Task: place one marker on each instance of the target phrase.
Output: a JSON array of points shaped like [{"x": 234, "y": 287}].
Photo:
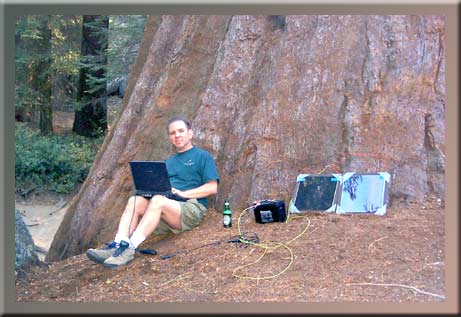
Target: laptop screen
[{"x": 150, "y": 176}]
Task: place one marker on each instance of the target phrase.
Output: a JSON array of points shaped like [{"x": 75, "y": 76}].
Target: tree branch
[{"x": 397, "y": 285}]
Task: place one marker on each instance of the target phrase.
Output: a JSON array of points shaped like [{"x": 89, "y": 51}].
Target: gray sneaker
[
  {"x": 122, "y": 256},
  {"x": 102, "y": 254}
]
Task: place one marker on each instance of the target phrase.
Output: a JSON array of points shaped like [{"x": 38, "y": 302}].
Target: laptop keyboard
[
  {"x": 170, "y": 195},
  {"x": 175, "y": 197}
]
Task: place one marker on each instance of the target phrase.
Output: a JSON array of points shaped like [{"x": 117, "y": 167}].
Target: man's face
[{"x": 180, "y": 136}]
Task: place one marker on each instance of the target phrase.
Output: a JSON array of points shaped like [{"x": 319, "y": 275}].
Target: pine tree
[
  {"x": 33, "y": 77},
  {"x": 91, "y": 117}
]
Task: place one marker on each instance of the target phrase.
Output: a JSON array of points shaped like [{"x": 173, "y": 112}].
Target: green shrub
[{"x": 54, "y": 162}]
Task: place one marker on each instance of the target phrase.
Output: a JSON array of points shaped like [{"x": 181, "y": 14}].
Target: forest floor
[
  {"x": 398, "y": 257},
  {"x": 320, "y": 257},
  {"x": 42, "y": 213}
]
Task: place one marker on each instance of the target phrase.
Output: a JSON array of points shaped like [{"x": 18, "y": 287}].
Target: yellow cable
[
  {"x": 266, "y": 247},
  {"x": 275, "y": 245}
]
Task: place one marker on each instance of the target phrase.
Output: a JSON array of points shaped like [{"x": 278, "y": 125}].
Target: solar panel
[{"x": 341, "y": 193}]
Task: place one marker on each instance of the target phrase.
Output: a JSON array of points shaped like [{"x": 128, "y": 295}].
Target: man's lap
[{"x": 192, "y": 213}]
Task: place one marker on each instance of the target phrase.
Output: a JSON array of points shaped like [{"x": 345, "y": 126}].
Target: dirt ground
[
  {"x": 42, "y": 215},
  {"x": 320, "y": 257}
]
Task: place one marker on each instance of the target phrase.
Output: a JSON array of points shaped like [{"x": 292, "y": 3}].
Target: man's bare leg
[
  {"x": 134, "y": 209},
  {"x": 159, "y": 208}
]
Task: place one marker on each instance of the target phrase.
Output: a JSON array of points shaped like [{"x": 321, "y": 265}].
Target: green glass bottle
[{"x": 227, "y": 213}]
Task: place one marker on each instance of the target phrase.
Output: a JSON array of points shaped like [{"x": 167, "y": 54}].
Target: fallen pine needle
[
  {"x": 398, "y": 285},
  {"x": 435, "y": 263},
  {"x": 178, "y": 278},
  {"x": 376, "y": 241}
]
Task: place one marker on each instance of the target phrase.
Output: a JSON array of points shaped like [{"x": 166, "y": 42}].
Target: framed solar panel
[
  {"x": 341, "y": 193},
  {"x": 314, "y": 192},
  {"x": 363, "y": 193}
]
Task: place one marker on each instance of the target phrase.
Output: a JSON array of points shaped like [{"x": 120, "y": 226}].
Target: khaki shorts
[{"x": 192, "y": 213}]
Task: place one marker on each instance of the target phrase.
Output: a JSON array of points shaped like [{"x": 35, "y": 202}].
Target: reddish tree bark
[{"x": 272, "y": 97}]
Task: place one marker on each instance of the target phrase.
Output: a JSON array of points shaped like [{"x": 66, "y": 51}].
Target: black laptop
[{"x": 151, "y": 178}]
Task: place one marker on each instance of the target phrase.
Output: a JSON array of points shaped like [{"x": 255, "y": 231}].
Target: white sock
[
  {"x": 136, "y": 239},
  {"x": 119, "y": 237}
]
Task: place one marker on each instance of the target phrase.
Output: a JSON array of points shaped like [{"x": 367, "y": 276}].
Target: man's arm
[{"x": 203, "y": 191}]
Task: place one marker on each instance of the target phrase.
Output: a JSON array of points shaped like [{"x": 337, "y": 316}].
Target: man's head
[{"x": 180, "y": 133}]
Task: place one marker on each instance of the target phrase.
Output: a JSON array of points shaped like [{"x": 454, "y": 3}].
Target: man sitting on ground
[{"x": 193, "y": 175}]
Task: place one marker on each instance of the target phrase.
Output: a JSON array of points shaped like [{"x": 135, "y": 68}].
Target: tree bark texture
[{"x": 273, "y": 97}]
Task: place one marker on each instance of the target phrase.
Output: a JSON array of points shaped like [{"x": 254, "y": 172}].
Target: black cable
[
  {"x": 245, "y": 237},
  {"x": 142, "y": 251},
  {"x": 148, "y": 251},
  {"x": 248, "y": 237},
  {"x": 167, "y": 256},
  {"x": 132, "y": 215}
]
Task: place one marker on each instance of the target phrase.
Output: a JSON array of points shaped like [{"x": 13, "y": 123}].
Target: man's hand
[
  {"x": 203, "y": 191},
  {"x": 178, "y": 192}
]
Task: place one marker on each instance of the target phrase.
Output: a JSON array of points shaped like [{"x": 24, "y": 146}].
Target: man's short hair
[{"x": 179, "y": 118}]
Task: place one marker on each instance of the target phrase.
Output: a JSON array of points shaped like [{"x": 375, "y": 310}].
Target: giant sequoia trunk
[{"x": 272, "y": 97}]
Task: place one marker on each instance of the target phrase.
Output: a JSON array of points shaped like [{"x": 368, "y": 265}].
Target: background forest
[
  {"x": 68, "y": 67},
  {"x": 270, "y": 97}
]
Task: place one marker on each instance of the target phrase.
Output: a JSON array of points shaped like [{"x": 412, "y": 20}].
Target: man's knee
[
  {"x": 161, "y": 204},
  {"x": 134, "y": 203},
  {"x": 131, "y": 200},
  {"x": 158, "y": 201}
]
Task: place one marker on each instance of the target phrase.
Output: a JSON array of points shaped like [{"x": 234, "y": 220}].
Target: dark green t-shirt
[{"x": 191, "y": 169}]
